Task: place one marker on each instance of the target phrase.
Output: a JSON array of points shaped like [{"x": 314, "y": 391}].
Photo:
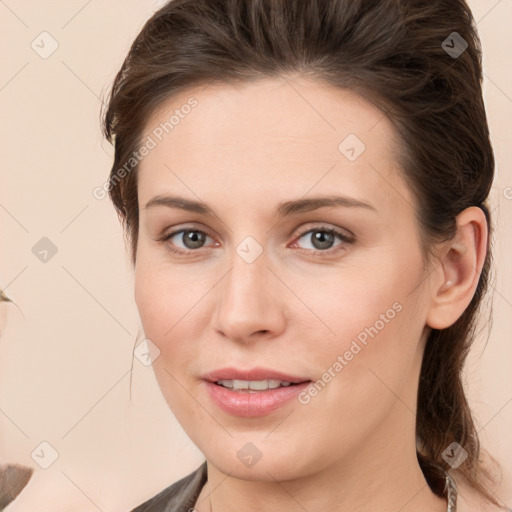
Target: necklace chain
[{"x": 451, "y": 493}]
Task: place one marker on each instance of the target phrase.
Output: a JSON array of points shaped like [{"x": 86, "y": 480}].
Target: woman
[{"x": 304, "y": 187}]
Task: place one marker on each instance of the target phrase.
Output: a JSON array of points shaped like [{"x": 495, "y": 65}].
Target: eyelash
[{"x": 326, "y": 229}]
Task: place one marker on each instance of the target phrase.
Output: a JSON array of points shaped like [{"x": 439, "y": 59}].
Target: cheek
[
  {"x": 165, "y": 305},
  {"x": 164, "y": 296},
  {"x": 174, "y": 310},
  {"x": 377, "y": 317},
  {"x": 368, "y": 301},
  {"x": 373, "y": 323}
]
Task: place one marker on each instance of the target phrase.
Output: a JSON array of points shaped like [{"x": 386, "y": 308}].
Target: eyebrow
[{"x": 283, "y": 209}]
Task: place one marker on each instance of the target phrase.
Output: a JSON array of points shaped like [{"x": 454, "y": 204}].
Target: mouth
[
  {"x": 254, "y": 392},
  {"x": 255, "y": 386},
  {"x": 256, "y": 379}
]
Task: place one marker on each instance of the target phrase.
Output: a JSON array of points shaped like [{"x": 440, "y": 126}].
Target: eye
[
  {"x": 190, "y": 238},
  {"x": 322, "y": 239}
]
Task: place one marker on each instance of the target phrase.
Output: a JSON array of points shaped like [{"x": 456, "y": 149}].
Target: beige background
[{"x": 65, "y": 355}]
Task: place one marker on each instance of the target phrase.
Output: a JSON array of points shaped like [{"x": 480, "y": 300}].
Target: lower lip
[{"x": 249, "y": 405}]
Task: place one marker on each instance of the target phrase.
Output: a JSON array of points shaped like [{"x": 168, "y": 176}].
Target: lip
[
  {"x": 249, "y": 405},
  {"x": 252, "y": 374}
]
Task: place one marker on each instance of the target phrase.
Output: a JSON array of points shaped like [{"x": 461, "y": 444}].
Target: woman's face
[{"x": 266, "y": 286}]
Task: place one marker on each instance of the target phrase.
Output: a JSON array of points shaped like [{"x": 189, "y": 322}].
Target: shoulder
[
  {"x": 179, "y": 496},
  {"x": 470, "y": 500}
]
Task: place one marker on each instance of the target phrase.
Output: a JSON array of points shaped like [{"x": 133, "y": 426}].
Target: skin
[{"x": 242, "y": 150}]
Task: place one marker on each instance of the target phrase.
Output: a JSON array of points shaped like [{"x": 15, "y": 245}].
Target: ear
[{"x": 459, "y": 265}]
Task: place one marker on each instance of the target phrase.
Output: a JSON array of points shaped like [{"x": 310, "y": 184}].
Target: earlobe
[{"x": 460, "y": 264}]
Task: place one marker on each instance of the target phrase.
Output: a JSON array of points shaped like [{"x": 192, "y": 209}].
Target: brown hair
[{"x": 399, "y": 54}]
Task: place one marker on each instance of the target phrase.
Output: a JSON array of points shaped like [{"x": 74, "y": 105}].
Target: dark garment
[{"x": 178, "y": 497}]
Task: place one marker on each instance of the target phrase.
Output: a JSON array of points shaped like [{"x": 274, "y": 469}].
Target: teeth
[
  {"x": 240, "y": 384},
  {"x": 256, "y": 385}
]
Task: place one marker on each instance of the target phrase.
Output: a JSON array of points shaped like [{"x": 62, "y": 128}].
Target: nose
[{"x": 249, "y": 301}]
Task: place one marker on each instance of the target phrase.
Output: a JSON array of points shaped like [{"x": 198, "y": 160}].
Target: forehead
[{"x": 284, "y": 134}]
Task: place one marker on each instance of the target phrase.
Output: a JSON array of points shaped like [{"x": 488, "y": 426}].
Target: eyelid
[{"x": 341, "y": 232}]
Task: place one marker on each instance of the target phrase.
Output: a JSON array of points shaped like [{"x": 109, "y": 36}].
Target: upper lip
[{"x": 251, "y": 374}]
